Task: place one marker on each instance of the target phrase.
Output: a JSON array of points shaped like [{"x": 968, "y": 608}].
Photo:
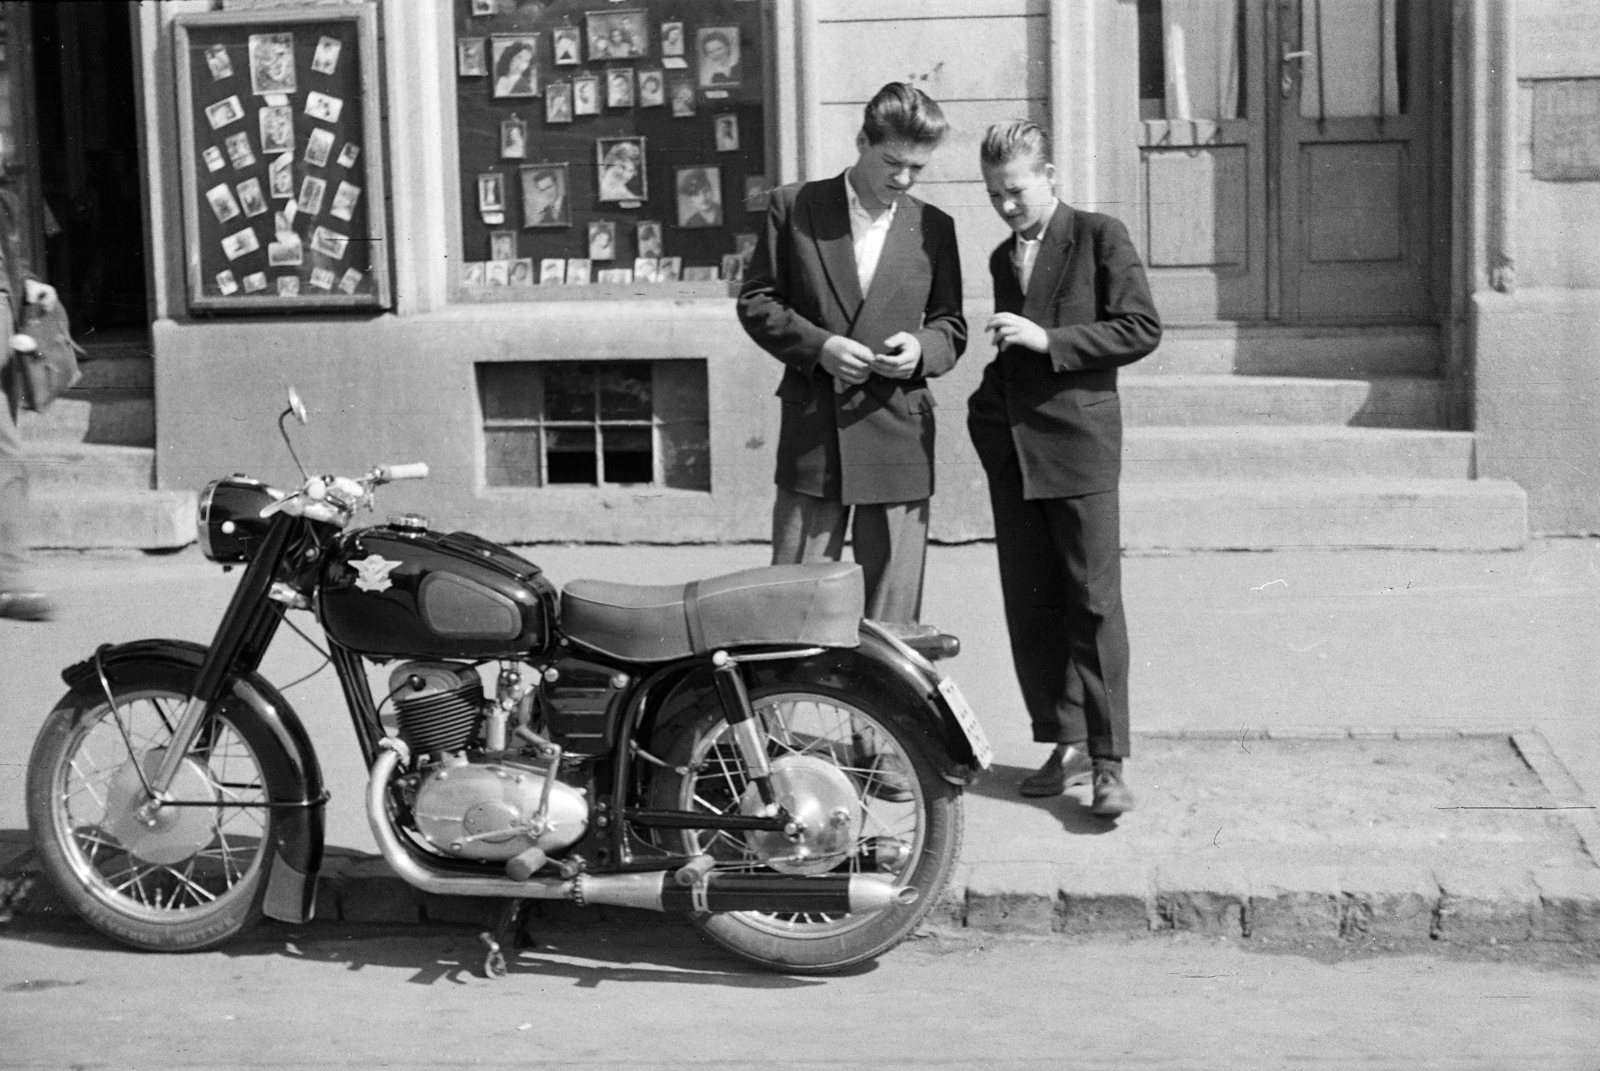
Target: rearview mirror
[{"x": 297, "y": 407}]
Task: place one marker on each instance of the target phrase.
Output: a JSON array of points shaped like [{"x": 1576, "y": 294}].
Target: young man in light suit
[
  {"x": 1071, "y": 306},
  {"x": 856, "y": 287}
]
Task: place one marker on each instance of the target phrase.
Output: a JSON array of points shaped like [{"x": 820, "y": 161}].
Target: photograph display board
[
  {"x": 282, "y": 170},
  {"x": 618, "y": 143}
]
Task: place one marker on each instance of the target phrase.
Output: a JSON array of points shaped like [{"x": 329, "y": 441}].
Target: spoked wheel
[
  {"x": 870, "y": 801},
  {"x": 181, "y": 878}
]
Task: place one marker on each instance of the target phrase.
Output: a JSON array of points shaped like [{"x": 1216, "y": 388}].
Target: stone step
[
  {"x": 111, "y": 417},
  {"x": 1333, "y": 352},
  {"x": 1299, "y": 514},
  {"x": 1192, "y": 400},
  {"x": 81, "y": 466},
  {"x": 89, "y": 518},
  {"x": 1268, "y": 451}
]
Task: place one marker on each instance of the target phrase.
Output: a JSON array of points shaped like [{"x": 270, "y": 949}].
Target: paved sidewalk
[{"x": 1357, "y": 745}]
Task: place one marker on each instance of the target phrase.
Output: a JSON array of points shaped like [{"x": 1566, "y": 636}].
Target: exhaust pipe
[{"x": 651, "y": 891}]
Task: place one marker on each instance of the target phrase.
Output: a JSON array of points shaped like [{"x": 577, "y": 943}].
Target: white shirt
[
  {"x": 867, "y": 235},
  {"x": 1026, "y": 252}
]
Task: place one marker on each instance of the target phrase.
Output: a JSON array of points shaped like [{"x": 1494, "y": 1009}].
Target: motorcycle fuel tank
[{"x": 402, "y": 590}]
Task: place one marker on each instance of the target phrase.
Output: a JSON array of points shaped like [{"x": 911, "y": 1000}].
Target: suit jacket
[
  {"x": 873, "y": 442},
  {"x": 1059, "y": 410}
]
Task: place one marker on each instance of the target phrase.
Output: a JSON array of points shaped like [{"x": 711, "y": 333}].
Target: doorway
[{"x": 1293, "y": 159}]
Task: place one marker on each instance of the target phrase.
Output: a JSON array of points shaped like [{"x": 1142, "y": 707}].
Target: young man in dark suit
[
  {"x": 856, "y": 286},
  {"x": 1071, "y": 306}
]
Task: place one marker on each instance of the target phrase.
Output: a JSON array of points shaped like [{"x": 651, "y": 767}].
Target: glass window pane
[
  {"x": 569, "y": 455},
  {"x": 510, "y": 391},
  {"x": 511, "y": 457},
  {"x": 625, "y": 391},
  {"x": 629, "y": 455},
  {"x": 1200, "y": 58},
  {"x": 1357, "y": 41},
  {"x": 569, "y": 391}
]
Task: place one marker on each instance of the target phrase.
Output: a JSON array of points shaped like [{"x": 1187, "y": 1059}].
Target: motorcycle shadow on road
[{"x": 999, "y": 782}]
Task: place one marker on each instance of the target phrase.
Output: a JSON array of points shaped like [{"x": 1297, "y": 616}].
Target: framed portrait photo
[
  {"x": 277, "y": 129},
  {"x": 502, "y": 245},
  {"x": 602, "y": 240},
  {"x": 552, "y": 271},
  {"x": 544, "y": 196},
  {"x": 623, "y": 34},
  {"x": 619, "y": 87},
  {"x": 568, "y": 45},
  {"x": 586, "y": 94},
  {"x": 717, "y": 56},
  {"x": 491, "y": 192},
  {"x": 472, "y": 57},
  {"x": 522, "y": 272},
  {"x": 648, "y": 234},
  {"x": 578, "y": 271},
  {"x": 558, "y": 102},
  {"x": 699, "y": 195},
  {"x": 271, "y": 63},
  {"x": 513, "y": 139},
  {"x": 220, "y": 66},
  {"x": 515, "y": 58},
  {"x": 681, "y": 93},
  {"x": 652, "y": 88},
  {"x": 672, "y": 38},
  {"x": 622, "y": 169},
  {"x": 726, "y": 129}
]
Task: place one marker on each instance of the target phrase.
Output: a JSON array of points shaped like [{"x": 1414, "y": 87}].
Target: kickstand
[{"x": 507, "y": 933}]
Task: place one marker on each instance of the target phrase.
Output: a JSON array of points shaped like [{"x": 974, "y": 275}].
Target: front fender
[{"x": 294, "y": 778}]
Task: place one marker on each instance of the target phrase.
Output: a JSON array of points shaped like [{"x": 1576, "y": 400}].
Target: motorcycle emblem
[{"x": 372, "y": 573}]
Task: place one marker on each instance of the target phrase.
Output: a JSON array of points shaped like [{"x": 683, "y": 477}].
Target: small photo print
[
  {"x": 619, "y": 87},
  {"x": 271, "y": 63},
  {"x": 586, "y": 94},
  {"x": 239, "y": 243},
  {"x": 699, "y": 196},
  {"x": 329, "y": 243},
  {"x": 350, "y": 280},
  {"x": 497, "y": 272},
  {"x": 322, "y": 107},
  {"x": 502, "y": 245},
  {"x": 491, "y": 192},
  {"x": 516, "y": 65},
  {"x": 277, "y": 129},
  {"x": 649, "y": 237},
  {"x": 280, "y": 177},
  {"x": 669, "y": 269},
  {"x": 472, "y": 57},
  {"x": 696, "y": 273},
  {"x": 255, "y": 282},
  {"x": 644, "y": 269},
  {"x": 239, "y": 150},
  {"x": 652, "y": 88},
  {"x": 472, "y": 273},
  {"x": 618, "y": 34},
  {"x": 522, "y": 272},
  {"x": 344, "y": 201},
  {"x": 224, "y": 112},
  {"x": 318, "y": 146},
  {"x": 221, "y": 66},
  {"x": 226, "y": 282},
  {"x": 681, "y": 92},
  {"x": 484, "y": 7},
  {"x": 732, "y": 268},
  {"x": 213, "y": 158},
  {"x": 286, "y": 251},
  {"x": 726, "y": 128},
  {"x": 312, "y": 190},
  {"x": 622, "y": 169},
  {"x": 222, "y": 202},
  {"x": 513, "y": 139},
  {"x": 348, "y": 154},
  {"x": 621, "y": 276},
  {"x": 552, "y": 271},
  {"x": 321, "y": 279},
  {"x": 577, "y": 271},
  {"x": 717, "y": 50},
  {"x": 745, "y": 246},
  {"x": 602, "y": 240},
  {"x": 288, "y": 286},
  {"x": 251, "y": 198},
  {"x": 672, "y": 38},
  {"x": 544, "y": 196},
  {"x": 558, "y": 102},
  {"x": 755, "y": 193},
  {"x": 567, "y": 46},
  {"x": 326, "y": 58}
]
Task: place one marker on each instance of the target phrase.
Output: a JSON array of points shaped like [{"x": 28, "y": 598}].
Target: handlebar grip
[{"x": 414, "y": 470}]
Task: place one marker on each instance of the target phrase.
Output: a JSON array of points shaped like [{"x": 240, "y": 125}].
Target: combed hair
[
  {"x": 903, "y": 113},
  {"x": 1006, "y": 141}
]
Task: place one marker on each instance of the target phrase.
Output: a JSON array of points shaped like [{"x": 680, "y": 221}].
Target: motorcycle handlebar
[{"x": 413, "y": 470}]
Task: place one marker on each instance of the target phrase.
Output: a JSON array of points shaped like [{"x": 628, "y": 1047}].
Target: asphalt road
[{"x": 652, "y": 995}]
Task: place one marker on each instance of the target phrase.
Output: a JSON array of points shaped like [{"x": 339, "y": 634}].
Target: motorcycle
[{"x": 744, "y": 748}]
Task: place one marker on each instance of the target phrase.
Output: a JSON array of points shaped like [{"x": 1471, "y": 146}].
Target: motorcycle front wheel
[
  {"x": 845, "y": 754},
  {"x": 182, "y": 878}
]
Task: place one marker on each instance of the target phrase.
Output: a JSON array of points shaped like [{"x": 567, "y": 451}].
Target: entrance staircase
[
  {"x": 91, "y": 461},
  {"x": 1275, "y": 438}
]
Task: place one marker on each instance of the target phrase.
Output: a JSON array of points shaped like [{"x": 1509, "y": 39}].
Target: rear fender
[{"x": 294, "y": 779}]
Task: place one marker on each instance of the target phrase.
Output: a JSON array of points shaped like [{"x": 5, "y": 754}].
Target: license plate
[{"x": 968, "y": 722}]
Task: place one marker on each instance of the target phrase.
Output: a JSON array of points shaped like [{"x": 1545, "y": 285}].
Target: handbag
[{"x": 42, "y": 372}]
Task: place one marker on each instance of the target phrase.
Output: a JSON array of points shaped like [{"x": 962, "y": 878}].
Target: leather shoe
[
  {"x": 1111, "y": 796},
  {"x": 26, "y": 606},
  {"x": 1062, "y": 768}
]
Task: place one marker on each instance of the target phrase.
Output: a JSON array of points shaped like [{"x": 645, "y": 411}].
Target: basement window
[{"x": 596, "y": 424}]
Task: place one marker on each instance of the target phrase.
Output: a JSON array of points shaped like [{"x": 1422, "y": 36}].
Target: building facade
[{"x": 1370, "y": 226}]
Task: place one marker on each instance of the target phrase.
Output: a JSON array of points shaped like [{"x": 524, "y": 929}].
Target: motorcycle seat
[{"x": 816, "y": 605}]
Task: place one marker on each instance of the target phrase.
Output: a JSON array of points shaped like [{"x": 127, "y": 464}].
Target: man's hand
[
  {"x": 1009, "y": 329},
  {"x": 847, "y": 361},
  {"x": 901, "y": 360},
  {"x": 40, "y": 294}
]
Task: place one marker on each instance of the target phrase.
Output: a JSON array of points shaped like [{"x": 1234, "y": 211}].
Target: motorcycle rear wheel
[
  {"x": 923, "y": 833},
  {"x": 194, "y": 878}
]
